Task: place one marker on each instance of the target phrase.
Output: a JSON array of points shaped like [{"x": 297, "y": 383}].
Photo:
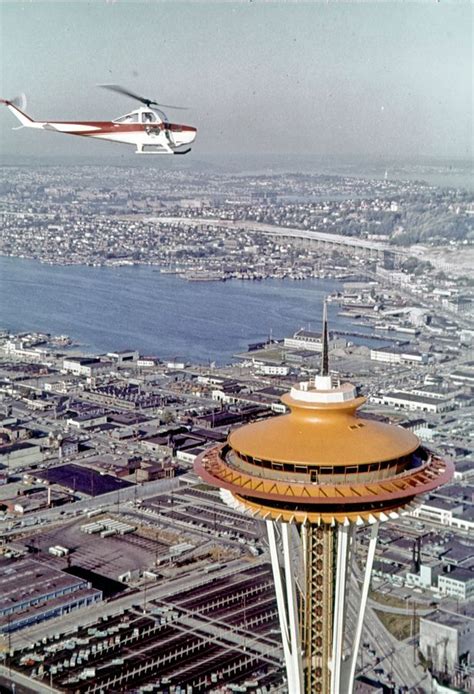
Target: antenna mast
[{"x": 325, "y": 341}]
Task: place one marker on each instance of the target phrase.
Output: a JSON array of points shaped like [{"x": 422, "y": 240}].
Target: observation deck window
[{"x": 406, "y": 462}]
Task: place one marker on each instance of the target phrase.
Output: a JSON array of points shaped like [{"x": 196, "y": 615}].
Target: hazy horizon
[{"x": 372, "y": 80}]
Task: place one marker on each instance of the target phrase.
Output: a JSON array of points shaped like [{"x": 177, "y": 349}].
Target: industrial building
[
  {"x": 398, "y": 355},
  {"x": 447, "y": 643},
  {"x": 458, "y": 583},
  {"x": 310, "y": 340},
  {"x": 86, "y": 366},
  {"x": 413, "y": 402},
  {"x": 32, "y": 591}
]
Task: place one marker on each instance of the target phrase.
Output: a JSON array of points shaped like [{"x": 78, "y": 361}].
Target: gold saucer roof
[{"x": 323, "y": 434}]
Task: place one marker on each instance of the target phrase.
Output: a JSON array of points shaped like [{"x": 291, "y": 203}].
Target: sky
[{"x": 322, "y": 78}]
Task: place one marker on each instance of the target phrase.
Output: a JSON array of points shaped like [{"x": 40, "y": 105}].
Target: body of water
[{"x": 138, "y": 307}]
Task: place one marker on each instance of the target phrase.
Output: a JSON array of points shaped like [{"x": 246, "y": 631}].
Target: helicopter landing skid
[{"x": 153, "y": 149}]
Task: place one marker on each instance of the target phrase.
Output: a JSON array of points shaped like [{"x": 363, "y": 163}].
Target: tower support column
[
  {"x": 318, "y": 619},
  {"x": 352, "y": 663},
  {"x": 287, "y": 606},
  {"x": 340, "y": 600}
]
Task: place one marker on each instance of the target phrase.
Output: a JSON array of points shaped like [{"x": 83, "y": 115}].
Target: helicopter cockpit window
[
  {"x": 129, "y": 118},
  {"x": 149, "y": 117}
]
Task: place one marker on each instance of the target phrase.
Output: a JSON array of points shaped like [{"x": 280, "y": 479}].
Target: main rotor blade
[
  {"x": 148, "y": 102},
  {"x": 178, "y": 108},
  {"x": 126, "y": 92}
]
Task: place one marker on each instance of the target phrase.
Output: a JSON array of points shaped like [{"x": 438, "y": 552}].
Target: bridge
[{"x": 368, "y": 247}]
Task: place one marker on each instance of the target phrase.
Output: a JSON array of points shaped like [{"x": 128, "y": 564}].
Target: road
[
  {"x": 395, "y": 657},
  {"x": 391, "y": 609}
]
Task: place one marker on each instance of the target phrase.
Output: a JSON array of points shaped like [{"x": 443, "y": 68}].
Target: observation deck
[{"x": 322, "y": 462}]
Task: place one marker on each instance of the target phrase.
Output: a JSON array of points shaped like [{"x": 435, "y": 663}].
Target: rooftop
[
  {"x": 459, "y": 574},
  {"x": 448, "y": 619},
  {"x": 26, "y": 580},
  {"x": 411, "y": 397}
]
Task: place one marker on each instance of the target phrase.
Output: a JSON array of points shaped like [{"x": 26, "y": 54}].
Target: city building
[
  {"x": 19, "y": 454},
  {"x": 310, "y": 340},
  {"x": 274, "y": 370},
  {"x": 365, "y": 685},
  {"x": 315, "y": 475},
  {"x": 124, "y": 357},
  {"x": 86, "y": 366},
  {"x": 32, "y": 591},
  {"x": 412, "y": 402},
  {"x": 447, "y": 641},
  {"x": 398, "y": 355},
  {"x": 448, "y": 513},
  {"x": 458, "y": 583},
  {"x": 427, "y": 576}
]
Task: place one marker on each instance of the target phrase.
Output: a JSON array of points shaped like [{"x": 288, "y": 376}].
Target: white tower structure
[{"x": 315, "y": 475}]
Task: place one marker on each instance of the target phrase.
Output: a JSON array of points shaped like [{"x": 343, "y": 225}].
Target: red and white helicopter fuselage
[{"x": 146, "y": 128}]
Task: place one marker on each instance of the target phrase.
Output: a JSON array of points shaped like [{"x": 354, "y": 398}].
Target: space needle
[{"x": 315, "y": 475}]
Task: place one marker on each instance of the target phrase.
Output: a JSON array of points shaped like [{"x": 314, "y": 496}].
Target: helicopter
[{"x": 148, "y": 127}]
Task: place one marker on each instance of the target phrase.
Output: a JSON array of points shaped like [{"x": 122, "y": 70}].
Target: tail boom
[{"x": 24, "y": 119}]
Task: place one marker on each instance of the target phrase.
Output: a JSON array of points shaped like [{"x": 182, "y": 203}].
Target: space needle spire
[{"x": 325, "y": 341}]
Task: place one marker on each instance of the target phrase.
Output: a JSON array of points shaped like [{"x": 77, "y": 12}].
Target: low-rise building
[
  {"x": 33, "y": 591},
  {"x": 86, "y": 421},
  {"x": 123, "y": 357},
  {"x": 69, "y": 446},
  {"x": 463, "y": 376},
  {"x": 409, "y": 401},
  {"x": 398, "y": 355},
  {"x": 438, "y": 510},
  {"x": 427, "y": 577},
  {"x": 147, "y": 362},
  {"x": 149, "y": 471},
  {"x": 309, "y": 340},
  {"x": 86, "y": 366},
  {"x": 21, "y": 454},
  {"x": 447, "y": 641},
  {"x": 446, "y": 512},
  {"x": 458, "y": 584},
  {"x": 274, "y": 370},
  {"x": 366, "y": 685}
]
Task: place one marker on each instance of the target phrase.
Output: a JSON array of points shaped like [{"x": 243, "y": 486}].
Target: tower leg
[
  {"x": 363, "y": 604},
  {"x": 340, "y": 596},
  {"x": 287, "y": 608},
  {"x": 292, "y": 602}
]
